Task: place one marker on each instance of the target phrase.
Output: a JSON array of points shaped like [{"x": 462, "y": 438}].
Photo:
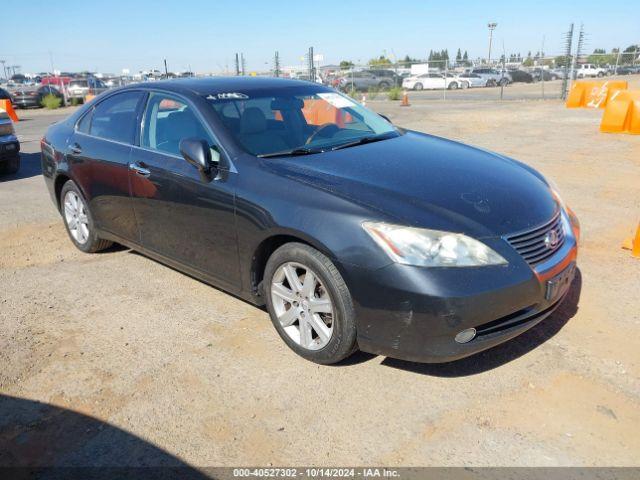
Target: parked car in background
[
  {"x": 492, "y": 77},
  {"x": 26, "y": 97},
  {"x": 425, "y": 81},
  {"x": 589, "y": 70},
  {"x": 521, "y": 76},
  {"x": 9, "y": 146},
  {"x": 539, "y": 73},
  {"x": 394, "y": 78},
  {"x": 626, "y": 70},
  {"x": 472, "y": 80},
  {"x": 79, "y": 88},
  {"x": 363, "y": 79}
]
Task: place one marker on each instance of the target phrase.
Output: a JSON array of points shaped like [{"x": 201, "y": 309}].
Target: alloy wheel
[
  {"x": 75, "y": 215},
  {"x": 302, "y": 305}
]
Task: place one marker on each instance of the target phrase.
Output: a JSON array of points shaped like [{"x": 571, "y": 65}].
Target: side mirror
[{"x": 197, "y": 152}]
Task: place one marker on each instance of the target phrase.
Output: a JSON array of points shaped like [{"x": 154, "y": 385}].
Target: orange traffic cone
[
  {"x": 8, "y": 107},
  {"x": 633, "y": 244},
  {"x": 405, "y": 99}
]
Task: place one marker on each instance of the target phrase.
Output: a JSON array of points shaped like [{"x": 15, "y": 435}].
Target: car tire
[
  {"x": 295, "y": 260},
  {"x": 12, "y": 165},
  {"x": 491, "y": 83},
  {"x": 73, "y": 206},
  {"x": 464, "y": 85},
  {"x": 600, "y": 74},
  {"x": 383, "y": 85},
  {"x": 452, "y": 86},
  {"x": 418, "y": 86},
  {"x": 504, "y": 82}
]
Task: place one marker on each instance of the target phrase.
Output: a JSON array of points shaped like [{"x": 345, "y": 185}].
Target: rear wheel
[
  {"x": 309, "y": 304},
  {"x": 453, "y": 86},
  {"x": 491, "y": 83},
  {"x": 418, "y": 86},
  {"x": 383, "y": 85},
  {"x": 78, "y": 220},
  {"x": 464, "y": 85}
]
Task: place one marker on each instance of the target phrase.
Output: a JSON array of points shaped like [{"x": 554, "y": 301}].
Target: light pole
[
  {"x": 4, "y": 69},
  {"x": 492, "y": 26}
]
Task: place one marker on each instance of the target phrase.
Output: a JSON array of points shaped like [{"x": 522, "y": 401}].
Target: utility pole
[
  {"x": 166, "y": 71},
  {"x": 492, "y": 26},
  {"x": 542, "y": 67},
  {"x": 312, "y": 76},
  {"x": 243, "y": 64},
  {"x": 237, "y": 66},
  {"x": 4, "y": 69},
  {"x": 276, "y": 65},
  {"x": 615, "y": 71},
  {"x": 568, "y": 38},
  {"x": 51, "y": 62}
]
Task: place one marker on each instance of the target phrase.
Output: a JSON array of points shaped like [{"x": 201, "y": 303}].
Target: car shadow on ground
[
  {"x": 35, "y": 435},
  {"x": 30, "y": 166},
  {"x": 506, "y": 352}
]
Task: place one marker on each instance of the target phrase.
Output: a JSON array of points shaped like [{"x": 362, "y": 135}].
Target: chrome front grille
[{"x": 539, "y": 243}]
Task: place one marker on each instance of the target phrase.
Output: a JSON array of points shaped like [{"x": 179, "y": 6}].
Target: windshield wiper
[
  {"x": 291, "y": 153},
  {"x": 369, "y": 139}
]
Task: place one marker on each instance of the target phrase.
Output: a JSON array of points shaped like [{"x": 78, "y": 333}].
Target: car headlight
[{"x": 422, "y": 247}]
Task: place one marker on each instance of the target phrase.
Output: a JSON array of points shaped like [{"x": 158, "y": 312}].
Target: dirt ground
[{"x": 113, "y": 358}]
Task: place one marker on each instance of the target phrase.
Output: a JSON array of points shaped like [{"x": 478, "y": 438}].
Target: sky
[{"x": 201, "y": 35}]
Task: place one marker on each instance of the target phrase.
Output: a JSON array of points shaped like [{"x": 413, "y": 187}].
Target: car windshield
[
  {"x": 78, "y": 83},
  {"x": 297, "y": 120}
]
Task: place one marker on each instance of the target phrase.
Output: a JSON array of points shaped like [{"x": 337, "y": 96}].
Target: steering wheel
[{"x": 324, "y": 127}]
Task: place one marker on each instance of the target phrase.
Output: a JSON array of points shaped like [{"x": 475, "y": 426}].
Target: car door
[
  {"x": 98, "y": 156},
  {"x": 181, "y": 215}
]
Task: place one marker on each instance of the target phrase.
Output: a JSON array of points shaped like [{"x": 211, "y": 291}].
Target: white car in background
[
  {"x": 471, "y": 80},
  {"x": 589, "y": 70},
  {"x": 431, "y": 81}
]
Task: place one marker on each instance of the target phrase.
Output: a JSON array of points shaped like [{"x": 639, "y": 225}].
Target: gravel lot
[{"x": 114, "y": 359}]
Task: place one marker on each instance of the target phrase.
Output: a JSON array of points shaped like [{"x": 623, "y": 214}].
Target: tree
[
  {"x": 458, "y": 56},
  {"x": 344, "y": 64},
  {"x": 381, "y": 60}
]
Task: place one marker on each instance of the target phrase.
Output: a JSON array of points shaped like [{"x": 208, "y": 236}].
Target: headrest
[
  {"x": 287, "y": 104},
  {"x": 253, "y": 121}
]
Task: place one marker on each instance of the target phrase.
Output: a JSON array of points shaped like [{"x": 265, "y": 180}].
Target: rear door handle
[
  {"x": 75, "y": 149},
  {"x": 140, "y": 170}
]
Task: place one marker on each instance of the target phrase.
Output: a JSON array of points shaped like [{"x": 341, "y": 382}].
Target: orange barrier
[
  {"x": 7, "y": 107},
  {"x": 622, "y": 113},
  {"x": 633, "y": 244},
  {"x": 319, "y": 112},
  {"x": 593, "y": 94}
]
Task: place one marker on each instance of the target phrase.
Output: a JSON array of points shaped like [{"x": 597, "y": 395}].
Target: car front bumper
[
  {"x": 414, "y": 313},
  {"x": 25, "y": 102},
  {"x": 9, "y": 147}
]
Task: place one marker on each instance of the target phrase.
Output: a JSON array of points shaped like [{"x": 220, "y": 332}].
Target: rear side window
[
  {"x": 85, "y": 122},
  {"x": 115, "y": 117}
]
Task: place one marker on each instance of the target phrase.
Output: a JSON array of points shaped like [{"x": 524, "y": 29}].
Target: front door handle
[
  {"x": 140, "y": 170},
  {"x": 76, "y": 149}
]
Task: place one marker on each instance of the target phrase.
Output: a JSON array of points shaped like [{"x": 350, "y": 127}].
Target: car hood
[{"x": 422, "y": 180}]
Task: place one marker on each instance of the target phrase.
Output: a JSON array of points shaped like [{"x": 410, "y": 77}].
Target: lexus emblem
[{"x": 551, "y": 239}]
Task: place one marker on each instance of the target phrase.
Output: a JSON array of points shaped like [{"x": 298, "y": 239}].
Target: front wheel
[
  {"x": 491, "y": 83},
  {"x": 309, "y": 304},
  {"x": 418, "y": 86},
  {"x": 78, "y": 220},
  {"x": 453, "y": 86},
  {"x": 464, "y": 85}
]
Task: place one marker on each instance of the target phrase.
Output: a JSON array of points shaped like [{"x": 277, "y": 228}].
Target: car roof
[{"x": 216, "y": 85}]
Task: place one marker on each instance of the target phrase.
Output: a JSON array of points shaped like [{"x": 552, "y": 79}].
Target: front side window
[
  {"x": 115, "y": 117},
  {"x": 311, "y": 118},
  {"x": 168, "y": 120}
]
